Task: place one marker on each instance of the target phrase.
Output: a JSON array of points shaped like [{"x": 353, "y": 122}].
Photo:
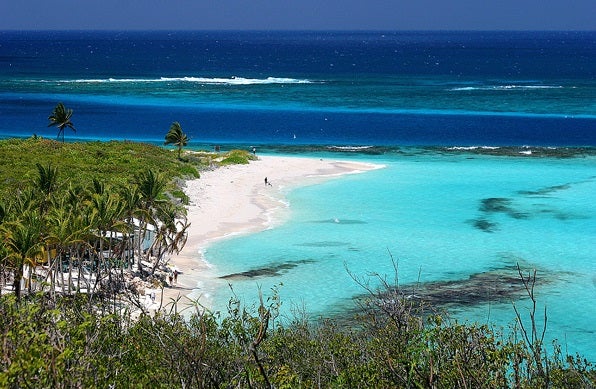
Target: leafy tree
[
  {"x": 107, "y": 217},
  {"x": 45, "y": 184},
  {"x": 170, "y": 236},
  {"x": 60, "y": 117},
  {"x": 176, "y": 137},
  {"x": 131, "y": 203},
  {"x": 67, "y": 231},
  {"x": 151, "y": 187},
  {"x": 24, "y": 244}
]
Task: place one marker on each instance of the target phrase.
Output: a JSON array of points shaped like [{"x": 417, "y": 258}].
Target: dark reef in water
[
  {"x": 484, "y": 225},
  {"x": 499, "y": 285},
  {"x": 269, "y": 271},
  {"x": 493, "y": 205},
  {"x": 544, "y": 191},
  {"x": 501, "y": 205},
  {"x": 411, "y": 150},
  {"x": 521, "y": 151}
]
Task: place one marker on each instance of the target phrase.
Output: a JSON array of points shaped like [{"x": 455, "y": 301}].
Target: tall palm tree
[
  {"x": 107, "y": 211},
  {"x": 24, "y": 245},
  {"x": 47, "y": 180},
  {"x": 60, "y": 117},
  {"x": 151, "y": 186},
  {"x": 5, "y": 215},
  {"x": 46, "y": 184},
  {"x": 68, "y": 231},
  {"x": 176, "y": 137},
  {"x": 170, "y": 235},
  {"x": 131, "y": 201}
]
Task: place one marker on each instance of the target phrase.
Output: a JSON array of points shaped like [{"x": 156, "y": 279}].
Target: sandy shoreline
[{"x": 235, "y": 200}]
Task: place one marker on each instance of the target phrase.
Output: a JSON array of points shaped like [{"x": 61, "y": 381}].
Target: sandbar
[{"x": 232, "y": 200}]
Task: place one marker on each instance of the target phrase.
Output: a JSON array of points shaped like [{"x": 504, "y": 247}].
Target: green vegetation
[
  {"x": 237, "y": 157},
  {"x": 114, "y": 163},
  {"x": 64, "y": 343},
  {"x": 94, "y": 211}
]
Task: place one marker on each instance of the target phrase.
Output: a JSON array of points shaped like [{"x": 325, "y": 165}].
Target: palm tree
[
  {"x": 106, "y": 215},
  {"x": 176, "y": 137},
  {"x": 170, "y": 235},
  {"x": 46, "y": 183},
  {"x": 60, "y": 117},
  {"x": 24, "y": 245},
  {"x": 150, "y": 186},
  {"x": 68, "y": 232},
  {"x": 47, "y": 180},
  {"x": 131, "y": 201},
  {"x": 5, "y": 214}
]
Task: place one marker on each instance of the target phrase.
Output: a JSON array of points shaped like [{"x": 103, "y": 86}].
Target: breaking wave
[
  {"x": 473, "y": 148},
  {"x": 200, "y": 80},
  {"x": 505, "y": 87},
  {"x": 349, "y": 148}
]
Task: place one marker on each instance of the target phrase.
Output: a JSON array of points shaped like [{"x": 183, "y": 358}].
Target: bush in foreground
[{"x": 65, "y": 344}]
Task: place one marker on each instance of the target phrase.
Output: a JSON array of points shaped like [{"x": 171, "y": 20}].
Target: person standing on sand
[
  {"x": 175, "y": 276},
  {"x": 266, "y": 182}
]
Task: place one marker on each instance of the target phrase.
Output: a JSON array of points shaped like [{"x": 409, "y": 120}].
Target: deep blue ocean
[
  {"x": 437, "y": 109},
  {"x": 353, "y": 88}
]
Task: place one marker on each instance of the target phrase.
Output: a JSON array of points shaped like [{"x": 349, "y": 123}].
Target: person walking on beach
[
  {"x": 176, "y": 276},
  {"x": 266, "y": 182}
]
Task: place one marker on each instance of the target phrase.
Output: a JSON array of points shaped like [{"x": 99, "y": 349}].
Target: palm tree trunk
[
  {"x": 51, "y": 275},
  {"x": 30, "y": 270},
  {"x": 141, "y": 238},
  {"x": 70, "y": 284},
  {"x": 100, "y": 259},
  {"x": 78, "y": 257},
  {"x": 18, "y": 275},
  {"x": 109, "y": 261},
  {"x": 62, "y": 282}
]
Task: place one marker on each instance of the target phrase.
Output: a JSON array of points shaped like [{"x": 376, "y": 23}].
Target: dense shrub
[
  {"x": 237, "y": 157},
  {"x": 71, "y": 343}
]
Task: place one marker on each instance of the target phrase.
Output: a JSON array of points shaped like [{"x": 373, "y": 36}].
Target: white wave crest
[
  {"x": 473, "y": 148},
  {"x": 349, "y": 148},
  {"x": 506, "y": 87},
  {"x": 200, "y": 80}
]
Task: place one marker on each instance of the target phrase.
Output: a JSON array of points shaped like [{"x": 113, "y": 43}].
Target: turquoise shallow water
[{"x": 425, "y": 210}]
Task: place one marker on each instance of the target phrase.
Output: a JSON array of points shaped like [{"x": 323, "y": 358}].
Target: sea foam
[
  {"x": 200, "y": 80},
  {"x": 505, "y": 87}
]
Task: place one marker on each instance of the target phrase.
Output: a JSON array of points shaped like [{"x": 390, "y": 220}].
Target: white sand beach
[{"x": 235, "y": 200}]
